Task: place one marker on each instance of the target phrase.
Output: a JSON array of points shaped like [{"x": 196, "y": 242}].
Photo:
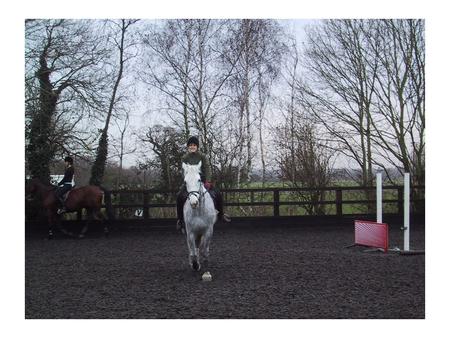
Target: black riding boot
[
  {"x": 181, "y": 199},
  {"x": 62, "y": 209},
  {"x": 60, "y": 192},
  {"x": 218, "y": 204}
]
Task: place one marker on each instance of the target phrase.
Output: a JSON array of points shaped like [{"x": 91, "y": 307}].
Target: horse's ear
[
  {"x": 199, "y": 165},
  {"x": 183, "y": 165}
]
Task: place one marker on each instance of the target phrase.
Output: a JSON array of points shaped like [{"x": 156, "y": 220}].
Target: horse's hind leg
[
  {"x": 98, "y": 215},
  {"x": 89, "y": 218},
  {"x": 105, "y": 225}
]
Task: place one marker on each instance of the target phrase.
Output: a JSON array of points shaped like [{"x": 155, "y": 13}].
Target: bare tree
[
  {"x": 257, "y": 42},
  {"x": 339, "y": 87},
  {"x": 168, "y": 147},
  {"x": 288, "y": 103},
  {"x": 62, "y": 81},
  {"x": 226, "y": 151},
  {"x": 98, "y": 167},
  {"x": 121, "y": 146},
  {"x": 304, "y": 161},
  {"x": 189, "y": 66},
  {"x": 367, "y": 87},
  {"x": 168, "y": 66},
  {"x": 399, "y": 124}
]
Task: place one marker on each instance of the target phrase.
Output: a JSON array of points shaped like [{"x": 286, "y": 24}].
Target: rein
[{"x": 43, "y": 189}]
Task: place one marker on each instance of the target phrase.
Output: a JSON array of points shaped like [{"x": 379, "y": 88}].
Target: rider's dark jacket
[
  {"x": 195, "y": 158},
  {"x": 68, "y": 176}
]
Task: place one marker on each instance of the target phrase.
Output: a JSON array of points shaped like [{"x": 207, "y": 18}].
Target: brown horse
[{"x": 89, "y": 197}]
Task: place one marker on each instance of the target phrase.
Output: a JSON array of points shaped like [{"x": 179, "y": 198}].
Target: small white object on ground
[{"x": 206, "y": 277}]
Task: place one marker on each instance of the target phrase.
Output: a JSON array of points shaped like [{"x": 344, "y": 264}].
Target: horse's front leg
[
  {"x": 99, "y": 216},
  {"x": 193, "y": 257},
  {"x": 204, "y": 249},
  {"x": 51, "y": 222},
  {"x": 89, "y": 219}
]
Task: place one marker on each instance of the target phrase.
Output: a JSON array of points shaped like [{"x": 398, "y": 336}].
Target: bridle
[{"x": 197, "y": 193}]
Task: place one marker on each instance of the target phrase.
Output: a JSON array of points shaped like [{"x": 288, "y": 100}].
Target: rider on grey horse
[{"x": 194, "y": 156}]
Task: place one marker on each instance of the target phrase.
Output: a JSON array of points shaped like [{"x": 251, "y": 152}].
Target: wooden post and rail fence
[{"x": 276, "y": 202}]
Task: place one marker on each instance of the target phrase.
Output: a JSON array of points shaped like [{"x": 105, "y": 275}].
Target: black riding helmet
[
  {"x": 68, "y": 159},
  {"x": 193, "y": 140}
]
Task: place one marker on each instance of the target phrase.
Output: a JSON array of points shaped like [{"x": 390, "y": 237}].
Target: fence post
[
  {"x": 276, "y": 202},
  {"x": 406, "y": 200},
  {"x": 400, "y": 201},
  {"x": 108, "y": 203},
  {"x": 145, "y": 208},
  {"x": 379, "y": 198},
  {"x": 339, "y": 202}
]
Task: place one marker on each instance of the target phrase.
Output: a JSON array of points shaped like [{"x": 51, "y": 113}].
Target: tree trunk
[
  {"x": 98, "y": 168},
  {"x": 40, "y": 150}
]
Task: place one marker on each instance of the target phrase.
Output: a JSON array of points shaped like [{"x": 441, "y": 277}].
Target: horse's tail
[{"x": 108, "y": 203}]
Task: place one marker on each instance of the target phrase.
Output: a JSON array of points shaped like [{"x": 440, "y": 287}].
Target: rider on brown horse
[
  {"x": 194, "y": 156},
  {"x": 65, "y": 185}
]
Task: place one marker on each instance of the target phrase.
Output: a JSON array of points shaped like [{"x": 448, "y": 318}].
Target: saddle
[
  {"x": 62, "y": 200},
  {"x": 65, "y": 196}
]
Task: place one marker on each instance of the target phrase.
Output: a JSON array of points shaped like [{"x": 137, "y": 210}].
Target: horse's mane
[
  {"x": 43, "y": 184},
  {"x": 192, "y": 168},
  {"x": 191, "y": 172}
]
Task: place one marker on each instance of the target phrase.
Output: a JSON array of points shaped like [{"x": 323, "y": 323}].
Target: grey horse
[{"x": 199, "y": 216}]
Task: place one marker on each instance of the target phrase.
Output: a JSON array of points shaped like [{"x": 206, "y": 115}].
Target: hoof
[
  {"x": 226, "y": 218},
  {"x": 195, "y": 266},
  {"x": 67, "y": 233}
]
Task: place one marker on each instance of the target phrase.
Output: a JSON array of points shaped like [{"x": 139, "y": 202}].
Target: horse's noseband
[{"x": 197, "y": 193}]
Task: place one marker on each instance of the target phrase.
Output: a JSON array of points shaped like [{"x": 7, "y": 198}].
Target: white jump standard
[
  {"x": 375, "y": 234},
  {"x": 406, "y": 221}
]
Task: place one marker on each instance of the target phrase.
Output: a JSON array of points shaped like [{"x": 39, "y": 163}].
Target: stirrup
[
  {"x": 226, "y": 218},
  {"x": 180, "y": 225}
]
